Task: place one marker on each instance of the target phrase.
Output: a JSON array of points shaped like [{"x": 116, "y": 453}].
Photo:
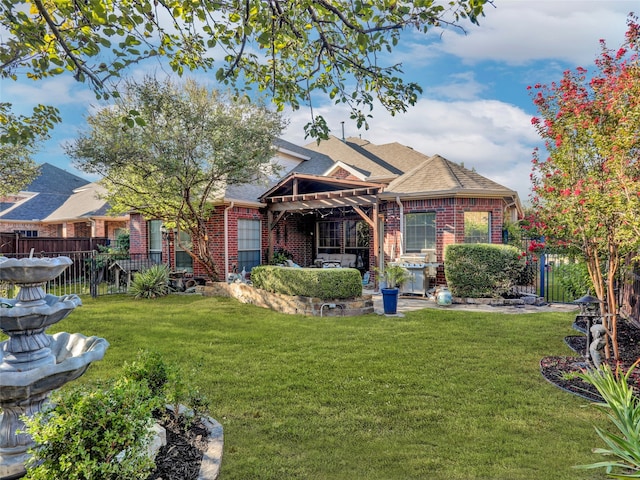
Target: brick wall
[
  {"x": 449, "y": 222},
  {"x": 295, "y": 232},
  {"x": 43, "y": 230},
  {"x": 344, "y": 174},
  {"x": 138, "y": 241}
]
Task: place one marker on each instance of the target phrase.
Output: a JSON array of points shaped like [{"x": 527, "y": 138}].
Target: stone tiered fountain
[{"x": 33, "y": 363}]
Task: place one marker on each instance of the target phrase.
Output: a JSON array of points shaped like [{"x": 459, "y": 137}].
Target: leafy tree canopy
[
  {"x": 17, "y": 169},
  {"x": 286, "y": 48},
  {"x": 189, "y": 145},
  {"x": 19, "y": 135}
]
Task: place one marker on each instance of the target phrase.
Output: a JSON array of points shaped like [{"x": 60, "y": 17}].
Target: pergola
[{"x": 300, "y": 193}]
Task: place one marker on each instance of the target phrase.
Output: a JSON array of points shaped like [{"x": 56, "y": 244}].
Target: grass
[{"x": 439, "y": 394}]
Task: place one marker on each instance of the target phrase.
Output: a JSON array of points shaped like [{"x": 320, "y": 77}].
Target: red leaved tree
[{"x": 586, "y": 193}]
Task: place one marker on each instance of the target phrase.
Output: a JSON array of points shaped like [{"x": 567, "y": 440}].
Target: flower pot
[
  {"x": 443, "y": 297},
  {"x": 390, "y": 300}
]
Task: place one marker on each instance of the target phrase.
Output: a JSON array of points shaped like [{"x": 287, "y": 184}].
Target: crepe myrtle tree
[
  {"x": 189, "y": 144},
  {"x": 586, "y": 193},
  {"x": 342, "y": 48}
]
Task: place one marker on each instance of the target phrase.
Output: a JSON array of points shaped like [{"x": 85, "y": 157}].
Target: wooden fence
[
  {"x": 630, "y": 291},
  {"x": 11, "y": 243}
]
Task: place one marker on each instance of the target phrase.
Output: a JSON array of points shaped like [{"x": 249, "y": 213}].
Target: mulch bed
[
  {"x": 181, "y": 457},
  {"x": 561, "y": 371}
]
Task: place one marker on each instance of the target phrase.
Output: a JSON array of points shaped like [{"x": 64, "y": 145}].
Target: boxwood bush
[
  {"x": 480, "y": 270},
  {"x": 324, "y": 283}
]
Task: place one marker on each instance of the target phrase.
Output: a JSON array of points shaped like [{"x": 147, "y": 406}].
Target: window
[
  {"x": 27, "y": 233},
  {"x": 356, "y": 234},
  {"x": 184, "y": 262},
  {"x": 329, "y": 237},
  {"x": 420, "y": 231},
  {"x": 154, "y": 235},
  {"x": 477, "y": 227},
  {"x": 249, "y": 235}
]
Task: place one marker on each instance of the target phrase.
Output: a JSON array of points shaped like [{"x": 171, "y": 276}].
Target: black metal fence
[
  {"x": 92, "y": 273},
  {"x": 546, "y": 271}
]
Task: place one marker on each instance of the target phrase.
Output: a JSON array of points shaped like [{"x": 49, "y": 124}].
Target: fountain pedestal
[{"x": 33, "y": 363}]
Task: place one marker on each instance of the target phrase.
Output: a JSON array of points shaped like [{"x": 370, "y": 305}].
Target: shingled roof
[
  {"x": 83, "y": 203},
  {"x": 48, "y": 192},
  {"x": 438, "y": 176},
  {"x": 311, "y": 162},
  {"x": 408, "y": 172}
]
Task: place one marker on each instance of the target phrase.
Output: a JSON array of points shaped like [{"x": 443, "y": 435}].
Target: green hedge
[
  {"x": 324, "y": 283},
  {"x": 481, "y": 270}
]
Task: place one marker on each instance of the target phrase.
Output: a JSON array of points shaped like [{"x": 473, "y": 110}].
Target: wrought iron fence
[
  {"x": 92, "y": 273},
  {"x": 545, "y": 271}
]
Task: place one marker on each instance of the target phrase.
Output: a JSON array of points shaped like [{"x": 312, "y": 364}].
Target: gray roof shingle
[
  {"x": 408, "y": 172},
  {"x": 51, "y": 189}
]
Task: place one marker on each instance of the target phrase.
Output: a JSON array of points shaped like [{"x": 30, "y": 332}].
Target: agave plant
[
  {"x": 150, "y": 283},
  {"x": 622, "y": 407}
]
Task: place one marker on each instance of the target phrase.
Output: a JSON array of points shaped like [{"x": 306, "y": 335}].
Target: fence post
[
  {"x": 93, "y": 282},
  {"x": 543, "y": 261}
]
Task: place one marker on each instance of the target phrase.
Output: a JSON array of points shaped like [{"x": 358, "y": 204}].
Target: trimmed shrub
[
  {"x": 482, "y": 270},
  {"x": 324, "y": 283}
]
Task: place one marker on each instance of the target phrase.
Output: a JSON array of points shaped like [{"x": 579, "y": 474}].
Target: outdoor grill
[{"x": 423, "y": 268}]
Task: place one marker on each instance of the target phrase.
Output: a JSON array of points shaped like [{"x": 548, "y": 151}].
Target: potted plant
[{"x": 394, "y": 277}]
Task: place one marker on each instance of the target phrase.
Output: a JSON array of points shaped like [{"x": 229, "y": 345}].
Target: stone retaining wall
[
  {"x": 310, "y": 306},
  {"x": 527, "y": 300}
]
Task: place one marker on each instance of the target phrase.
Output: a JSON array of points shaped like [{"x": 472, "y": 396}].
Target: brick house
[
  {"x": 58, "y": 204},
  {"x": 375, "y": 203}
]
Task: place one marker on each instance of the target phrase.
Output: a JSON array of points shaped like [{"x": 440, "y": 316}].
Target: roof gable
[
  {"x": 302, "y": 184},
  {"x": 437, "y": 176}
]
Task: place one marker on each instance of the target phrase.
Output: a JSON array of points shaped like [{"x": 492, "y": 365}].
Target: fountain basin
[
  {"x": 14, "y": 270},
  {"x": 73, "y": 353},
  {"x": 15, "y": 317}
]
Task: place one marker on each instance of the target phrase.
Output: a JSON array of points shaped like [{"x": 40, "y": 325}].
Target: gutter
[
  {"x": 401, "y": 225},
  {"x": 226, "y": 240}
]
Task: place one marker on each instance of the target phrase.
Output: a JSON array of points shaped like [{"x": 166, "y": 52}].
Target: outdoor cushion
[{"x": 345, "y": 259}]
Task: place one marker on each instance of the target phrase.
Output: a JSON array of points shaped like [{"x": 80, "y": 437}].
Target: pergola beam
[{"x": 324, "y": 203}]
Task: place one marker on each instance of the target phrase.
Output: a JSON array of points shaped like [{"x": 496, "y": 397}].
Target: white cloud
[
  {"x": 460, "y": 86},
  {"x": 58, "y": 91},
  {"x": 519, "y": 31}
]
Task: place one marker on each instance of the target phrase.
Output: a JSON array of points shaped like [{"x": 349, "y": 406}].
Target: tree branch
[{"x": 79, "y": 65}]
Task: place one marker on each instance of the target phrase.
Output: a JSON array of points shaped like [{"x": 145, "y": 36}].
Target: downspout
[
  {"x": 226, "y": 240},
  {"x": 401, "y": 225}
]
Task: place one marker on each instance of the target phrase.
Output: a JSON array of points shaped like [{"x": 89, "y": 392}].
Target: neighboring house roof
[
  {"x": 83, "y": 203},
  {"x": 56, "y": 195},
  {"x": 54, "y": 180}
]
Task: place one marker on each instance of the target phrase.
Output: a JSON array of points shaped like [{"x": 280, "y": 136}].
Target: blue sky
[{"x": 475, "y": 108}]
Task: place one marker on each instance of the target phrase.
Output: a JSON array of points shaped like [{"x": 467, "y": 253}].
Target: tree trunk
[
  {"x": 595, "y": 272},
  {"x": 612, "y": 299},
  {"x": 200, "y": 251}
]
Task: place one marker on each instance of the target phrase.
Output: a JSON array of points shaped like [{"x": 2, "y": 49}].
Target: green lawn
[{"x": 439, "y": 394}]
